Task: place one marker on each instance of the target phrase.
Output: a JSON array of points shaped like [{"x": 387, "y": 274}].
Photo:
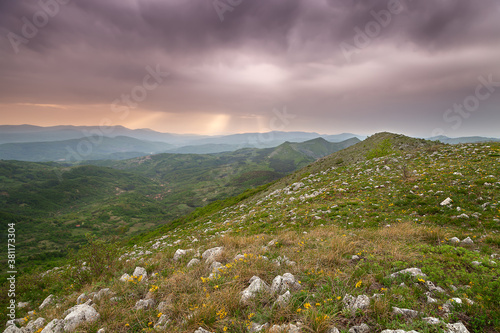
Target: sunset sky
[{"x": 229, "y": 66}]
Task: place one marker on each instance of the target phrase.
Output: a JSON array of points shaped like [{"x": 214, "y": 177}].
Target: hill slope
[
  {"x": 57, "y": 205},
  {"x": 328, "y": 244}
]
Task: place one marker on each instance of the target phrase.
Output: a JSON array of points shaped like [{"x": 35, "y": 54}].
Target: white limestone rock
[
  {"x": 47, "y": 301},
  {"x": 415, "y": 272},
  {"x": 456, "y": 328},
  {"x": 211, "y": 255},
  {"x": 55, "y": 326},
  {"x": 78, "y": 315},
  {"x": 140, "y": 271},
  {"x": 256, "y": 286}
]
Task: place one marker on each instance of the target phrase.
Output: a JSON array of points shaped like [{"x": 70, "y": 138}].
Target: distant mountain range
[
  {"x": 465, "y": 139},
  {"x": 78, "y": 143}
]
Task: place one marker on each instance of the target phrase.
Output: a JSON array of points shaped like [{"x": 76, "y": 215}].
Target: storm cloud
[{"x": 336, "y": 65}]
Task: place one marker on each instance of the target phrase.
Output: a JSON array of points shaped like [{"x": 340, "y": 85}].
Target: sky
[{"x": 421, "y": 68}]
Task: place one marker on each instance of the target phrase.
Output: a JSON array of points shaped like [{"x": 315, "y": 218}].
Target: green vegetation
[
  {"x": 54, "y": 206},
  {"x": 386, "y": 210}
]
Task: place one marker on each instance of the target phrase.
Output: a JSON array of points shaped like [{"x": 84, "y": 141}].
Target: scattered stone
[
  {"x": 193, "y": 262},
  {"x": 468, "y": 240},
  {"x": 432, "y": 288},
  {"x": 258, "y": 328},
  {"x": 211, "y": 254},
  {"x": 431, "y": 300},
  {"x": 102, "y": 293},
  {"x": 272, "y": 243},
  {"x": 353, "y": 303},
  {"x": 463, "y": 216},
  {"x": 49, "y": 300},
  {"x": 476, "y": 263},
  {"x": 22, "y": 305},
  {"x": 78, "y": 315},
  {"x": 446, "y": 202},
  {"x": 181, "y": 253},
  {"x": 144, "y": 304},
  {"x": 363, "y": 328},
  {"x": 283, "y": 283},
  {"x": 407, "y": 313},
  {"x": 125, "y": 277},
  {"x": 333, "y": 330},
  {"x": 415, "y": 272},
  {"x": 139, "y": 271},
  {"x": 201, "y": 330},
  {"x": 355, "y": 257},
  {"x": 290, "y": 328},
  {"x": 256, "y": 286},
  {"x": 398, "y": 331},
  {"x": 431, "y": 320},
  {"x": 456, "y": 328},
  {"x": 102, "y": 330},
  {"x": 454, "y": 240}
]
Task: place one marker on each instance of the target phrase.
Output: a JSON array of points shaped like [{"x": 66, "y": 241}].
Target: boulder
[
  {"x": 456, "y": 328},
  {"x": 283, "y": 283},
  {"x": 446, "y": 202},
  {"x": 406, "y": 313},
  {"x": 80, "y": 314},
  {"x": 431, "y": 320},
  {"x": 254, "y": 328},
  {"x": 256, "y": 286},
  {"x": 415, "y": 272},
  {"x": 22, "y": 305},
  {"x": 467, "y": 240},
  {"x": 290, "y": 328},
  {"x": 139, "y": 271},
  {"x": 354, "y": 303},
  {"x": 181, "y": 253},
  {"x": 363, "y": 328},
  {"x": 201, "y": 330},
  {"x": 210, "y": 255},
  {"x": 144, "y": 304}
]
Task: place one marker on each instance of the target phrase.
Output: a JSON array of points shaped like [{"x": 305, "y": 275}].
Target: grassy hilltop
[{"x": 341, "y": 226}]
